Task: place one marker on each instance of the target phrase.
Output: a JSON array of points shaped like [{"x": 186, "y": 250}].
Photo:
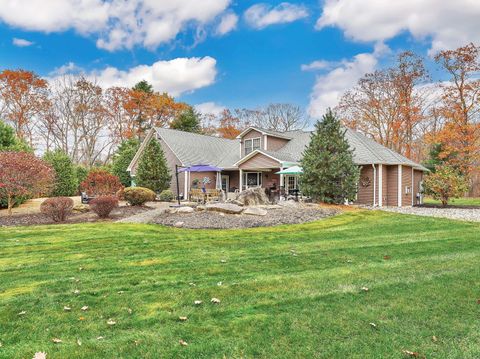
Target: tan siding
[
  {"x": 384, "y": 186},
  {"x": 259, "y": 161},
  {"x": 275, "y": 143},
  {"x": 251, "y": 134},
  {"x": 392, "y": 179},
  {"x": 365, "y": 194},
  {"x": 270, "y": 178},
  {"x": 406, "y": 182}
]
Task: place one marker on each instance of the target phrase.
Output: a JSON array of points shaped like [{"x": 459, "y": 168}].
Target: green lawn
[
  {"x": 464, "y": 201},
  {"x": 287, "y": 292}
]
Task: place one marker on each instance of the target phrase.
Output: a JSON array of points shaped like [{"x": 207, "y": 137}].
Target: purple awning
[{"x": 201, "y": 168}]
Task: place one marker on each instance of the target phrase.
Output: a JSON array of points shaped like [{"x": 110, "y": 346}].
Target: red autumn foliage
[
  {"x": 22, "y": 174},
  {"x": 100, "y": 182},
  {"x": 103, "y": 205},
  {"x": 57, "y": 208}
]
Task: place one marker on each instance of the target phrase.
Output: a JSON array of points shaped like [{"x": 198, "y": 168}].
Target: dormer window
[{"x": 252, "y": 145}]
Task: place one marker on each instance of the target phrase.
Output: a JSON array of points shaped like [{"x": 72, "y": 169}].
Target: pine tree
[
  {"x": 329, "y": 173},
  {"x": 9, "y": 141},
  {"x": 122, "y": 158},
  {"x": 65, "y": 183},
  {"x": 187, "y": 121},
  {"x": 152, "y": 171}
]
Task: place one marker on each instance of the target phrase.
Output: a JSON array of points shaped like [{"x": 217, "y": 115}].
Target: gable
[{"x": 258, "y": 161}]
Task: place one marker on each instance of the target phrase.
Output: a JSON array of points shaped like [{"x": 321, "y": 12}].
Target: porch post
[
  {"x": 380, "y": 185},
  {"x": 185, "y": 177},
  {"x": 241, "y": 180},
  {"x": 399, "y": 181}
]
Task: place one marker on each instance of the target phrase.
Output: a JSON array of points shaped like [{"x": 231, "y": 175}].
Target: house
[{"x": 387, "y": 178}]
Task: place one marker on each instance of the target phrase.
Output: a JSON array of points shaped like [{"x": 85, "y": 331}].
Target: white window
[
  {"x": 252, "y": 179},
  {"x": 252, "y": 145}
]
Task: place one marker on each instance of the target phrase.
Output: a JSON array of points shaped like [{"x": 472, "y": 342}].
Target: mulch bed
[
  {"x": 274, "y": 217},
  {"x": 89, "y": 217}
]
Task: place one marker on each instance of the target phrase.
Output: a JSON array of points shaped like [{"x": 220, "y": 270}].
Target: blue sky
[{"x": 254, "y": 60}]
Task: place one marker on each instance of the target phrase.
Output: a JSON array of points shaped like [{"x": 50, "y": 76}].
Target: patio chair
[{"x": 196, "y": 195}]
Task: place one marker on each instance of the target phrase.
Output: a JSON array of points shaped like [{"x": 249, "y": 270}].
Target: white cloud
[
  {"x": 317, "y": 65},
  {"x": 21, "y": 42},
  {"x": 228, "y": 23},
  {"x": 262, "y": 15},
  {"x": 210, "y": 108},
  {"x": 117, "y": 24},
  {"x": 448, "y": 24},
  {"x": 329, "y": 87},
  {"x": 68, "y": 68},
  {"x": 176, "y": 76}
]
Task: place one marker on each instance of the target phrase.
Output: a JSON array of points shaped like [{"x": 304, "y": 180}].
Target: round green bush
[
  {"x": 137, "y": 196},
  {"x": 166, "y": 196}
]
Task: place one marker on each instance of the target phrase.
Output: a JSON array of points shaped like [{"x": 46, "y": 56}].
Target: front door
[{"x": 225, "y": 183}]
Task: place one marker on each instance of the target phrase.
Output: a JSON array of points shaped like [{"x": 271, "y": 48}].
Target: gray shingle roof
[{"x": 193, "y": 149}]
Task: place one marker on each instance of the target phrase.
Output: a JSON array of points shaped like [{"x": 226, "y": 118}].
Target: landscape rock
[
  {"x": 229, "y": 208},
  {"x": 253, "y": 197},
  {"x": 81, "y": 208},
  {"x": 200, "y": 208},
  {"x": 255, "y": 211},
  {"x": 185, "y": 210},
  {"x": 179, "y": 224}
]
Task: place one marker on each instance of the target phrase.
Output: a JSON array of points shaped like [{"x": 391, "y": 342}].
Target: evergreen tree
[
  {"x": 122, "y": 158},
  {"x": 435, "y": 159},
  {"x": 329, "y": 173},
  {"x": 188, "y": 121},
  {"x": 9, "y": 141},
  {"x": 152, "y": 171},
  {"x": 65, "y": 183},
  {"x": 143, "y": 86}
]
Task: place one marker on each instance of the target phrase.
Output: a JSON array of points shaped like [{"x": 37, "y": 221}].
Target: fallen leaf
[
  {"x": 434, "y": 339},
  {"x": 365, "y": 289},
  {"x": 100, "y": 338},
  {"x": 373, "y": 325},
  {"x": 215, "y": 300},
  {"x": 223, "y": 261},
  {"x": 130, "y": 311},
  {"x": 67, "y": 309},
  {"x": 192, "y": 284},
  {"x": 411, "y": 354},
  {"x": 80, "y": 268},
  {"x": 478, "y": 301},
  {"x": 81, "y": 318},
  {"x": 22, "y": 312},
  {"x": 76, "y": 291},
  {"x": 120, "y": 292},
  {"x": 137, "y": 342},
  {"x": 183, "y": 342},
  {"x": 111, "y": 322},
  {"x": 79, "y": 342},
  {"x": 198, "y": 302},
  {"x": 56, "y": 340},
  {"x": 183, "y": 318},
  {"x": 220, "y": 284},
  {"x": 386, "y": 257},
  {"x": 85, "y": 308}
]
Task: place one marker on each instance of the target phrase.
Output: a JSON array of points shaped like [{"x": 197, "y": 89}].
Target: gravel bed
[
  {"x": 463, "y": 214},
  {"x": 216, "y": 220},
  {"x": 32, "y": 219}
]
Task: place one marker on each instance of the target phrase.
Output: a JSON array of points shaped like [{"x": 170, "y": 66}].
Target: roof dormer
[{"x": 254, "y": 138}]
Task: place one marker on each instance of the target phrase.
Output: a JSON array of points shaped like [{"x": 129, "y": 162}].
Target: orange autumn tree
[
  {"x": 229, "y": 126},
  {"x": 460, "y": 108},
  {"x": 23, "y": 96}
]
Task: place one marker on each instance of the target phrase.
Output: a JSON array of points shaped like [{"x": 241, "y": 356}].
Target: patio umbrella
[
  {"x": 295, "y": 170},
  {"x": 201, "y": 168}
]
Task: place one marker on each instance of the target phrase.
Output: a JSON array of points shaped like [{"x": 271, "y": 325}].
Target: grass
[
  {"x": 464, "y": 201},
  {"x": 287, "y": 292}
]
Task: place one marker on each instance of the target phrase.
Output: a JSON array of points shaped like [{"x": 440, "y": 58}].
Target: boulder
[
  {"x": 253, "y": 197},
  {"x": 200, "y": 208},
  {"x": 255, "y": 211},
  {"x": 185, "y": 210},
  {"x": 179, "y": 224},
  {"x": 229, "y": 208},
  {"x": 81, "y": 208}
]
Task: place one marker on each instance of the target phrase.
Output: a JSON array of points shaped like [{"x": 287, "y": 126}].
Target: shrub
[
  {"x": 23, "y": 175},
  {"x": 81, "y": 173},
  {"x": 137, "y": 196},
  {"x": 103, "y": 205},
  {"x": 57, "y": 208},
  {"x": 166, "y": 196},
  {"x": 100, "y": 183},
  {"x": 65, "y": 177},
  {"x": 445, "y": 183}
]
